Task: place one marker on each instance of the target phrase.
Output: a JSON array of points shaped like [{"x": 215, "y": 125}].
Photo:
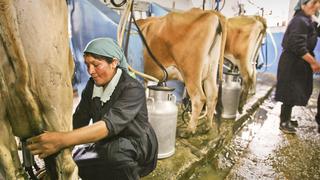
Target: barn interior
[{"x": 243, "y": 143}]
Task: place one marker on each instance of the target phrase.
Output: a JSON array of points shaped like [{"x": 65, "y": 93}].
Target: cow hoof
[
  {"x": 240, "y": 110},
  {"x": 204, "y": 129},
  {"x": 185, "y": 134}
]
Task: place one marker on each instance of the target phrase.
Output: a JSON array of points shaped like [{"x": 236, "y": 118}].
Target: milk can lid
[{"x": 161, "y": 88}]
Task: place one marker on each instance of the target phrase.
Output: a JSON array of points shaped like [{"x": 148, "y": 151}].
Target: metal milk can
[
  {"x": 231, "y": 90},
  {"x": 163, "y": 114}
]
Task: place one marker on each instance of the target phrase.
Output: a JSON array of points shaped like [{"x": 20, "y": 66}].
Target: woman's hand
[
  {"x": 46, "y": 144},
  {"x": 315, "y": 67}
]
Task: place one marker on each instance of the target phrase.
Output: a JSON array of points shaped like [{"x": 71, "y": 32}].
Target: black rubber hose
[
  {"x": 30, "y": 173},
  {"x": 165, "y": 78},
  {"x": 119, "y": 4}
]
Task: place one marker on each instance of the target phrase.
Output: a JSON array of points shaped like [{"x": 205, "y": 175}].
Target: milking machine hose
[{"x": 119, "y": 4}]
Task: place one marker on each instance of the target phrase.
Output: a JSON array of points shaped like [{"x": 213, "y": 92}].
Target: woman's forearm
[
  {"x": 49, "y": 143},
  {"x": 86, "y": 134}
]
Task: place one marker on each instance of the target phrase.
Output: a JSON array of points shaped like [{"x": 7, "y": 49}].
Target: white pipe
[
  {"x": 273, "y": 42},
  {"x": 120, "y": 34}
]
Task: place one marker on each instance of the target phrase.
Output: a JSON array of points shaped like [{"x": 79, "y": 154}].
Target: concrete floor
[{"x": 261, "y": 151}]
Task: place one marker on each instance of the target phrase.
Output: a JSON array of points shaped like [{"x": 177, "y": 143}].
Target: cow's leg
[
  {"x": 198, "y": 99},
  {"x": 253, "y": 57},
  {"x": 66, "y": 166},
  {"x": 209, "y": 84},
  {"x": 211, "y": 92},
  {"x": 10, "y": 166},
  {"x": 247, "y": 78},
  {"x": 252, "y": 88}
]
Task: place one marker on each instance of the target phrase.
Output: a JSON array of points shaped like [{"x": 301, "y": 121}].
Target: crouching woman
[{"x": 123, "y": 143}]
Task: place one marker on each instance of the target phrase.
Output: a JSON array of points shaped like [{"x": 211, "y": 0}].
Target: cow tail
[
  {"x": 222, "y": 29},
  {"x": 263, "y": 21}
]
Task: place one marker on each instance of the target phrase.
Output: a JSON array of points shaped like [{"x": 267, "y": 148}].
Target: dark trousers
[
  {"x": 114, "y": 160},
  {"x": 318, "y": 110},
  {"x": 285, "y": 114},
  {"x": 108, "y": 173}
]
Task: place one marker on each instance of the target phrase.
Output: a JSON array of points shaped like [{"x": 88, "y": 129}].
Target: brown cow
[
  {"x": 192, "y": 58},
  {"x": 244, "y": 38},
  {"x": 35, "y": 79}
]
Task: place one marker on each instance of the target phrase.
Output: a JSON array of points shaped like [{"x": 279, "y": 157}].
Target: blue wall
[
  {"x": 268, "y": 47},
  {"x": 270, "y": 62}
]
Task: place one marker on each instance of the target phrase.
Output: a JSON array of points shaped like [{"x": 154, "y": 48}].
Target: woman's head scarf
[
  {"x": 302, "y": 2},
  {"x": 107, "y": 47},
  {"x": 299, "y": 4}
]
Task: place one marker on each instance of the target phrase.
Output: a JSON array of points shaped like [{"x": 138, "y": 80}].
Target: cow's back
[
  {"x": 240, "y": 30},
  {"x": 178, "y": 36}
]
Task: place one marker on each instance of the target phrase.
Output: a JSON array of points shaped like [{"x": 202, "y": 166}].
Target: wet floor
[{"x": 261, "y": 151}]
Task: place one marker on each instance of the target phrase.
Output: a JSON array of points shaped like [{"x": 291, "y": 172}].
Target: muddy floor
[{"x": 261, "y": 151}]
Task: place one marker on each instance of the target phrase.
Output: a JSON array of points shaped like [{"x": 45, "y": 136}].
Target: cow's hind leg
[
  {"x": 211, "y": 92},
  {"x": 252, "y": 88},
  {"x": 68, "y": 169},
  {"x": 10, "y": 166},
  {"x": 198, "y": 99},
  {"x": 247, "y": 82}
]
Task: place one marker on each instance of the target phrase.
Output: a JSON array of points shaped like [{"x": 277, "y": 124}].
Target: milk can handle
[
  {"x": 150, "y": 101},
  {"x": 172, "y": 98}
]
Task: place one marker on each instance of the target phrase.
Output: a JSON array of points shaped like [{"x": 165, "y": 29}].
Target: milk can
[
  {"x": 231, "y": 90},
  {"x": 163, "y": 114}
]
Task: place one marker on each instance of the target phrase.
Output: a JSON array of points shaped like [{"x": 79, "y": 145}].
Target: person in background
[
  {"x": 297, "y": 62},
  {"x": 318, "y": 113},
  {"x": 123, "y": 143}
]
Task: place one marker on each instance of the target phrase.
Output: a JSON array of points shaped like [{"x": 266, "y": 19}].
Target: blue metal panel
[{"x": 269, "y": 54}]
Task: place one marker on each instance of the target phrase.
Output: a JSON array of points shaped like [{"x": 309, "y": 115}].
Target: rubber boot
[
  {"x": 318, "y": 113},
  {"x": 285, "y": 116},
  {"x": 318, "y": 118},
  {"x": 294, "y": 123}
]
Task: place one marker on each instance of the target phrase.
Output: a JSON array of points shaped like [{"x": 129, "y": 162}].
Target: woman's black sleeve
[
  {"x": 297, "y": 40},
  {"x": 81, "y": 116},
  {"x": 125, "y": 109}
]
